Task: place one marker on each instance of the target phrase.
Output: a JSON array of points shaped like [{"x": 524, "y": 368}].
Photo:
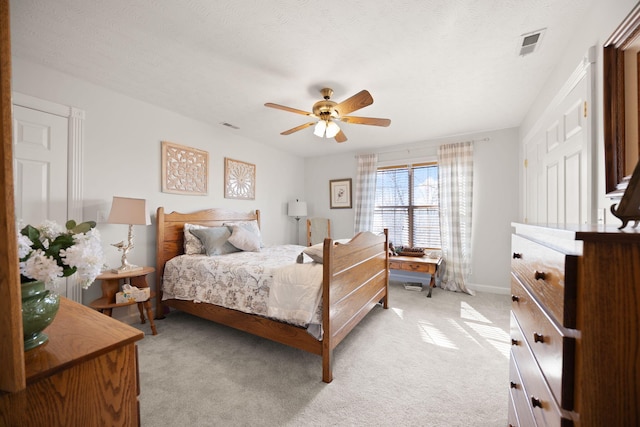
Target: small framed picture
[{"x": 340, "y": 193}]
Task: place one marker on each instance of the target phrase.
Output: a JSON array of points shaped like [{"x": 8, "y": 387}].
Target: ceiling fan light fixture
[
  {"x": 328, "y": 112},
  {"x": 320, "y": 128},
  {"x": 332, "y": 129}
]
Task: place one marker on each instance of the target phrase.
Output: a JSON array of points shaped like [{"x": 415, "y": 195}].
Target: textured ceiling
[{"x": 436, "y": 68}]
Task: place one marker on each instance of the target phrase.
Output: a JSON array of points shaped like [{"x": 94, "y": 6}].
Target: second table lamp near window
[{"x": 125, "y": 210}]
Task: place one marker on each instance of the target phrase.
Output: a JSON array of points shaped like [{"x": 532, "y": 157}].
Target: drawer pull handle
[
  {"x": 514, "y": 341},
  {"x": 535, "y": 402},
  {"x": 540, "y": 275},
  {"x": 516, "y": 255},
  {"x": 515, "y": 298},
  {"x": 538, "y": 337},
  {"x": 513, "y": 385}
]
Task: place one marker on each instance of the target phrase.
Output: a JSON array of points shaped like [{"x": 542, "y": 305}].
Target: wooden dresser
[
  {"x": 575, "y": 327},
  {"x": 85, "y": 375}
]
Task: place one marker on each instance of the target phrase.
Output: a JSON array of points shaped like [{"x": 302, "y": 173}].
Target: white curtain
[
  {"x": 365, "y": 192},
  {"x": 455, "y": 180}
]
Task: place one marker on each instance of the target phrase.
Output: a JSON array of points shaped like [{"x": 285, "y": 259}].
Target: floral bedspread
[{"x": 239, "y": 281}]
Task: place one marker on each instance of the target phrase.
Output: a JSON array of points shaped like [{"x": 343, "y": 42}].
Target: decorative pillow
[
  {"x": 215, "y": 240},
  {"x": 192, "y": 245},
  {"x": 251, "y": 226},
  {"x": 244, "y": 239},
  {"x": 315, "y": 252}
]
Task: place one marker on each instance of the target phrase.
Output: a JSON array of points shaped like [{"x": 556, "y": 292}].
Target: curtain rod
[{"x": 408, "y": 150}]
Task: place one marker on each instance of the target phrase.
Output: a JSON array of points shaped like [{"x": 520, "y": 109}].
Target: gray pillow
[
  {"x": 192, "y": 245},
  {"x": 215, "y": 240}
]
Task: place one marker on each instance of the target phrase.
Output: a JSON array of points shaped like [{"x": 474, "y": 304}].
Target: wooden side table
[
  {"x": 111, "y": 285},
  {"x": 422, "y": 264}
]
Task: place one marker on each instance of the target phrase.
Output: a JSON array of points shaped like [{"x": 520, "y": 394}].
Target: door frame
[{"x": 75, "y": 144}]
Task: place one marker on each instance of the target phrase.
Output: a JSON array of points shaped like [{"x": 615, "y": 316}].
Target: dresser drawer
[
  {"x": 539, "y": 398},
  {"x": 519, "y": 410},
  {"x": 551, "y": 276},
  {"x": 552, "y": 349},
  {"x": 417, "y": 266},
  {"x": 511, "y": 413}
]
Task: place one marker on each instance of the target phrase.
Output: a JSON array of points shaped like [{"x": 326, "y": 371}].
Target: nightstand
[
  {"x": 422, "y": 264},
  {"x": 111, "y": 283}
]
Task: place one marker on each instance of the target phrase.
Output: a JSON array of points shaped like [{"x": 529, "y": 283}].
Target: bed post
[
  {"x": 327, "y": 347},
  {"x": 159, "y": 261},
  {"x": 385, "y": 300}
]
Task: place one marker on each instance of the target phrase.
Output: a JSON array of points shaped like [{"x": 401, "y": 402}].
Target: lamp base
[{"x": 126, "y": 269}]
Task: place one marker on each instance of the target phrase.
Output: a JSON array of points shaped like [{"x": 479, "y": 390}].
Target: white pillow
[
  {"x": 192, "y": 245},
  {"x": 244, "y": 239},
  {"x": 315, "y": 252},
  {"x": 251, "y": 225}
]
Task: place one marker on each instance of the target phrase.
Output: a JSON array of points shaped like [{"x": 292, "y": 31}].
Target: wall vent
[
  {"x": 229, "y": 125},
  {"x": 530, "y": 42}
]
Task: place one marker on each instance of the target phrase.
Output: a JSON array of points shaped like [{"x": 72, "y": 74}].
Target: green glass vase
[{"x": 39, "y": 308}]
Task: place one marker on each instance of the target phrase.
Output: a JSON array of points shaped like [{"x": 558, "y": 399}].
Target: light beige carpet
[{"x": 440, "y": 361}]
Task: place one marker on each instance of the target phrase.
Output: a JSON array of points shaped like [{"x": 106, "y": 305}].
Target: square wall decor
[
  {"x": 239, "y": 179},
  {"x": 184, "y": 169}
]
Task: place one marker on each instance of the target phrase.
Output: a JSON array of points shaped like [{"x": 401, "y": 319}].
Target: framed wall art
[
  {"x": 184, "y": 169},
  {"x": 340, "y": 193},
  {"x": 239, "y": 179}
]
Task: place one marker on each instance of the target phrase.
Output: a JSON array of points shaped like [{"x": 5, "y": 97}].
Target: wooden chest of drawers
[
  {"x": 575, "y": 327},
  {"x": 85, "y": 375}
]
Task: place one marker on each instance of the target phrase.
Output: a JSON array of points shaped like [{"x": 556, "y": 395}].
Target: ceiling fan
[{"x": 328, "y": 112}]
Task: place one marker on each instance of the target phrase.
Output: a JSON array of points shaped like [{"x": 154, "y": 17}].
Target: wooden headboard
[{"x": 170, "y": 232}]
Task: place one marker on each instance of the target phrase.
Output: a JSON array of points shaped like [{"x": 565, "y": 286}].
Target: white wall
[
  {"x": 495, "y": 198},
  {"x": 122, "y": 156},
  {"x": 596, "y": 28}
]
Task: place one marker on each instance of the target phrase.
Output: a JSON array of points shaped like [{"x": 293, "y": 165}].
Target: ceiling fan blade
[
  {"x": 356, "y": 102},
  {"x": 366, "y": 121},
  {"x": 292, "y": 110},
  {"x": 340, "y": 137},
  {"x": 297, "y": 128}
]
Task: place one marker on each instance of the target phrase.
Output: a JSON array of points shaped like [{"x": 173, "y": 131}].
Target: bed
[{"x": 355, "y": 278}]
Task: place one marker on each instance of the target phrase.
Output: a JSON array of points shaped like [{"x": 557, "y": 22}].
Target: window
[{"x": 407, "y": 205}]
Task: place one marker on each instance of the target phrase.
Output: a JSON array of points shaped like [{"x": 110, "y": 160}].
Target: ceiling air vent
[
  {"x": 531, "y": 41},
  {"x": 229, "y": 125}
]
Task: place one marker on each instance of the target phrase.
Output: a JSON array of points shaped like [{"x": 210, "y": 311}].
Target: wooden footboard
[{"x": 355, "y": 279}]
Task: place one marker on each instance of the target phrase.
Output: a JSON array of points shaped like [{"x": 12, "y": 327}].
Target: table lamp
[{"x": 125, "y": 210}]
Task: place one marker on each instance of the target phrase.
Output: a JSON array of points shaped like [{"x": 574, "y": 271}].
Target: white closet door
[
  {"x": 40, "y": 165},
  {"x": 40, "y": 142},
  {"x": 565, "y": 161},
  {"x": 558, "y": 177}
]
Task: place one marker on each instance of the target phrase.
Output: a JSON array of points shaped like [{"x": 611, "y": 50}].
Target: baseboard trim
[
  {"x": 489, "y": 289},
  {"x": 403, "y": 276}
]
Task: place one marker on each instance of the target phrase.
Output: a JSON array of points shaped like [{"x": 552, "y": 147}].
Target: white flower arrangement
[{"x": 49, "y": 251}]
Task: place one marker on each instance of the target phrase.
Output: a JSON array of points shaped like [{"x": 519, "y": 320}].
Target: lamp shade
[
  {"x": 320, "y": 128},
  {"x": 326, "y": 129},
  {"x": 332, "y": 129},
  {"x": 297, "y": 209},
  {"x": 125, "y": 210}
]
